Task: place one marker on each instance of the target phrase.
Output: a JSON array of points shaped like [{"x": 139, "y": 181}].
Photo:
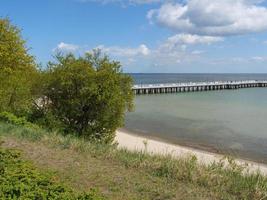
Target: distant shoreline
[{"x": 134, "y": 142}]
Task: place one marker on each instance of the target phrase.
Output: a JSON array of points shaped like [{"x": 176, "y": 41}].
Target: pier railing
[{"x": 195, "y": 86}]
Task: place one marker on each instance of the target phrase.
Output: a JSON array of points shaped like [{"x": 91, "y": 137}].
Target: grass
[
  {"x": 121, "y": 174},
  {"x": 19, "y": 179}
]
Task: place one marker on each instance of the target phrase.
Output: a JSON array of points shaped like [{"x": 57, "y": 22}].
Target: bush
[
  {"x": 20, "y": 121},
  {"x": 20, "y": 180},
  {"x": 89, "y": 95}
]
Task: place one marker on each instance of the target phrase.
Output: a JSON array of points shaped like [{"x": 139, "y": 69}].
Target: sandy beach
[{"x": 152, "y": 146}]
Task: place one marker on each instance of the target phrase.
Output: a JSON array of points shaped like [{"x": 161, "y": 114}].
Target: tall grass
[{"x": 225, "y": 178}]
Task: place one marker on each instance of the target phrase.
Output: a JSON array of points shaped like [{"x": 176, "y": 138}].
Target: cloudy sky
[{"x": 186, "y": 36}]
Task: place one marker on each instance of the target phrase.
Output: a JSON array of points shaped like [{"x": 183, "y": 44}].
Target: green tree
[
  {"x": 17, "y": 70},
  {"x": 89, "y": 94}
]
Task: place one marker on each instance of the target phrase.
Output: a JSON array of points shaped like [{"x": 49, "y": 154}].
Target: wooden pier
[{"x": 195, "y": 87}]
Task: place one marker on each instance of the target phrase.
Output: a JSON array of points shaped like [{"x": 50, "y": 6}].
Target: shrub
[
  {"x": 20, "y": 180},
  {"x": 89, "y": 95},
  {"x": 13, "y": 119}
]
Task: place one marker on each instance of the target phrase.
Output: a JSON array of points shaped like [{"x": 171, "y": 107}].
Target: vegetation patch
[
  {"x": 84, "y": 95},
  {"x": 19, "y": 121},
  {"x": 137, "y": 174},
  {"x": 19, "y": 179}
]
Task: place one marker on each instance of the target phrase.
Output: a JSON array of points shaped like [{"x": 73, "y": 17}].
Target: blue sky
[{"x": 199, "y": 36}]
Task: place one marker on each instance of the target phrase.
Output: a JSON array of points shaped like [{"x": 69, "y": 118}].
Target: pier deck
[{"x": 195, "y": 86}]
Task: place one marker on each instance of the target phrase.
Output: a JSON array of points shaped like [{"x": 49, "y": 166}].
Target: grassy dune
[{"x": 121, "y": 174}]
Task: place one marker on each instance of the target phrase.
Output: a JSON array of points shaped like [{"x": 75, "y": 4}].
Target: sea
[{"x": 230, "y": 122}]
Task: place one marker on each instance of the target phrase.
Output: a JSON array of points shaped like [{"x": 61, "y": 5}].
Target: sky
[{"x": 148, "y": 36}]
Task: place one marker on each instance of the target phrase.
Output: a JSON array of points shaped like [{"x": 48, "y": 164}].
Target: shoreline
[
  {"x": 134, "y": 142},
  {"x": 188, "y": 145}
]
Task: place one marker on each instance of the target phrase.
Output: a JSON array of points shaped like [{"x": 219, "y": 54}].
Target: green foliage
[
  {"x": 45, "y": 119},
  {"x": 89, "y": 95},
  {"x": 20, "y": 180},
  {"x": 17, "y": 70},
  {"x": 20, "y": 121}
]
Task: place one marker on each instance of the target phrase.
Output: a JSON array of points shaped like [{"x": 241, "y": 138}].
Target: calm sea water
[
  {"x": 227, "y": 121},
  {"x": 175, "y": 78}
]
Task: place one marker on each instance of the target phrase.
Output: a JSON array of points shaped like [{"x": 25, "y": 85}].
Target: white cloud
[
  {"x": 193, "y": 39},
  {"x": 175, "y": 47},
  {"x": 239, "y": 60},
  {"x": 197, "y": 52},
  {"x": 124, "y": 1},
  {"x": 142, "y": 50},
  {"x": 212, "y": 17},
  {"x": 66, "y": 47},
  {"x": 162, "y": 55},
  {"x": 173, "y": 51},
  {"x": 258, "y": 58},
  {"x": 144, "y": 1}
]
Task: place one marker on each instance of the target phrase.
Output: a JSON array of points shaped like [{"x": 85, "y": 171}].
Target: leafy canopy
[
  {"x": 88, "y": 94},
  {"x": 17, "y": 70}
]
